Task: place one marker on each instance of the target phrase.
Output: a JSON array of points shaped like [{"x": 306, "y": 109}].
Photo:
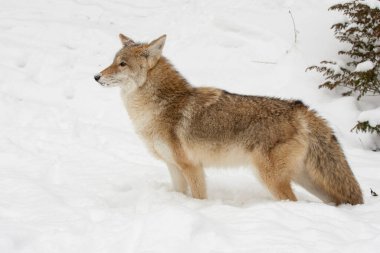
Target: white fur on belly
[{"x": 230, "y": 156}]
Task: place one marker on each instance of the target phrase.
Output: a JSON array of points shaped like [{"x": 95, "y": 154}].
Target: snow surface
[
  {"x": 74, "y": 177},
  {"x": 364, "y": 66},
  {"x": 372, "y": 116}
]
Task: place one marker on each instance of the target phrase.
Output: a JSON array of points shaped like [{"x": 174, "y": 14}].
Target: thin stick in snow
[
  {"x": 264, "y": 62},
  {"x": 294, "y": 27}
]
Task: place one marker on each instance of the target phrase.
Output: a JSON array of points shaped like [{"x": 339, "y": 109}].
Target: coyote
[{"x": 191, "y": 128}]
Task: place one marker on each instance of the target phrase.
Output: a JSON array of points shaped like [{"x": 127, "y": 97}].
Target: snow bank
[{"x": 372, "y": 116}]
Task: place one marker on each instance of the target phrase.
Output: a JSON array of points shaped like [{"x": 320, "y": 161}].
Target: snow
[
  {"x": 374, "y": 4},
  {"x": 372, "y": 116},
  {"x": 74, "y": 177},
  {"x": 364, "y": 66}
]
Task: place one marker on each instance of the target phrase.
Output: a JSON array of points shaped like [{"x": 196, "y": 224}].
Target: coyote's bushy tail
[{"x": 327, "y": 166}]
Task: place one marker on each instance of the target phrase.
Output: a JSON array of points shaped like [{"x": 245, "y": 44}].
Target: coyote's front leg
[
  {"x": 178, "y": 180},
  {"x": 195, "y": 177},
  {"x": 193, "y": 173}
]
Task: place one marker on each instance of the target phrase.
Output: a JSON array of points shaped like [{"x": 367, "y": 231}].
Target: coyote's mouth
[{"x": 100, "y": 79}]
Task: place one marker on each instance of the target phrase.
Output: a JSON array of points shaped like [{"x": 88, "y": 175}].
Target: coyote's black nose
[{"x": 97, "y": 77}]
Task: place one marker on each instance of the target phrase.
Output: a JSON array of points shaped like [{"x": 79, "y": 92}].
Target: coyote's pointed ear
[
  {"x": 154, "y": 50},
  {"x": 125, "y": 40}
]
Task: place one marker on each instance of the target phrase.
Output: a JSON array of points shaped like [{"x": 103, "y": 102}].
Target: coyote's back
[{"x": 191, "y": 128}]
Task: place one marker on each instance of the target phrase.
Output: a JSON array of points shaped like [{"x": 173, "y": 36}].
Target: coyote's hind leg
[{"x": 278, "y": 165}]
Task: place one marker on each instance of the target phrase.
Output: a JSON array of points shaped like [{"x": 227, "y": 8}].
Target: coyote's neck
[
  {"x": 164, "y": 80},
  {"x": 164, "y": 92}
]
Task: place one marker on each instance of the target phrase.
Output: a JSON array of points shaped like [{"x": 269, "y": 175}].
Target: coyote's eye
[{"x": 123, "y": 64}]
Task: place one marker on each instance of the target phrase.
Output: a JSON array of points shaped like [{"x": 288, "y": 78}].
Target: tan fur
[{"x": 191, "y": 128}]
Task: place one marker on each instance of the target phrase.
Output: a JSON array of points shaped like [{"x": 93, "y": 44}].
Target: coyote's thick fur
[{"x": 191, "y": 128}]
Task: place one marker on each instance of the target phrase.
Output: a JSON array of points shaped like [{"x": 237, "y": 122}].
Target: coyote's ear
[
  {"x": 125, "y": 40},
  {"x": 154, "y": 50}
]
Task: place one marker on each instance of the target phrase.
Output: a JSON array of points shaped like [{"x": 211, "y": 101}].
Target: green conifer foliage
[{"x": 360, "y": 75}]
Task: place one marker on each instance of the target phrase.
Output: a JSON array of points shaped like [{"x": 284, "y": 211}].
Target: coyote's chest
[
  {"x": 144, "y": 121},
  {"x": 145, "y": 118},
  {"x": 148, "y": 128},
  {"x": 141, "y": 113}
]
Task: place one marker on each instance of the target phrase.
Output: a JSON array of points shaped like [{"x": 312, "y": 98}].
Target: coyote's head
[{"x": 131, "y": 64}]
